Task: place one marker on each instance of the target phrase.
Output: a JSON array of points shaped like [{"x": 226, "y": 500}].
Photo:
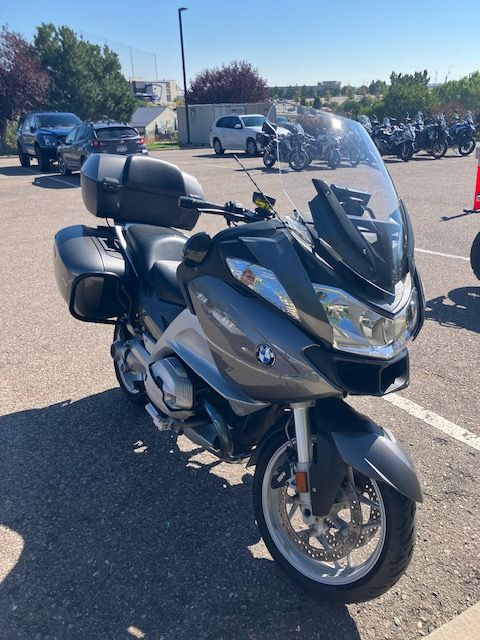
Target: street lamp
[{"x": 184, "y": 75}]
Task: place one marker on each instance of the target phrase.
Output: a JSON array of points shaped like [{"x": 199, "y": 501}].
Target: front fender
[{"x": 368, "y": 448}]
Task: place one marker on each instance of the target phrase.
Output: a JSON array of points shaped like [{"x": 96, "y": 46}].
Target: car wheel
[
  {"x": 62, "y": 165},
  {"x": 23, "y": 157},
  {"x": 217, "y": 147},
  {"x": 251, "y": 148},
  {"x": 42, "y": 159},
  {"x": 82, "y": 160}
]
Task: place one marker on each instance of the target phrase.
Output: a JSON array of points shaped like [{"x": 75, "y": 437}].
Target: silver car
[{"x": 236, "y": 132}]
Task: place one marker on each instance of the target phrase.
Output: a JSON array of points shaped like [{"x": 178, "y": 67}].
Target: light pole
[{"x": 184, "y": 75}]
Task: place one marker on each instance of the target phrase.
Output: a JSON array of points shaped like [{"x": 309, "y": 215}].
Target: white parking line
[
  {"x": 442, "y": 255},
  {"x": 434, "y": 420}
]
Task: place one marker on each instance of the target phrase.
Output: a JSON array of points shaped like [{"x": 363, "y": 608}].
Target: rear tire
[
  {"x": 42, "y": 159},
  {"x": 386, "y": 567},
  {"x": 23, "y": 157},
  {"x": 467, "y": 146},
  {"x": 475, "y": 256},
  {"x": 134, "y": 390},
  {"x": 217, "y": 147},
  {"x": 251, "y": 148}
]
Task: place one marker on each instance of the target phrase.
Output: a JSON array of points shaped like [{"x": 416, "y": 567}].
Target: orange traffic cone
[{"x": 476, "y": 195}]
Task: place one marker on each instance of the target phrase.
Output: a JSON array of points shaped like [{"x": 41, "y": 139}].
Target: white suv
[{"x": 236, "y": 132}]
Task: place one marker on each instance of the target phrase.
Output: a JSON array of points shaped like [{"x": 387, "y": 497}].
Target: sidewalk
[{"x": 465, "y": 626}]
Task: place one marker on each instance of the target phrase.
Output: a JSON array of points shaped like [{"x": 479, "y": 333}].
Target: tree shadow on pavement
[
  {"x": 127, "y": 536},
  {"x": 460, "y": 308}
]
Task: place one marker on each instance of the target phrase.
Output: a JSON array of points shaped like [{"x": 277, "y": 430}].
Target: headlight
[
  {"x": 49, "y": 141},
  {"x": 358, "y": 329},
  {"x": 264, "y": 283}
]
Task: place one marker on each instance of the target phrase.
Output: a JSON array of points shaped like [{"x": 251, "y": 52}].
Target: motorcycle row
[{"x": 331, "y": 145}]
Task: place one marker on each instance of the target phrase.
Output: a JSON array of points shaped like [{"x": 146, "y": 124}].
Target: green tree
[
  {"x": 85, "y": 78},
  {"x": 23, "y": 82},
  {"x": 303, "y": 101},
  {"x": 406, "y": 79},
  {"x": 377, "y": 87},
  {"x": 465, "y": 91},
  {"x": 317, "y": 103}
]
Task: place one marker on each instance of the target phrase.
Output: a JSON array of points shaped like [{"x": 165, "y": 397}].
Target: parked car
[
  {"x": 236, "y": 132},
  {"x": 40, "y": 132},
  {"x": 98, "y": 137}
]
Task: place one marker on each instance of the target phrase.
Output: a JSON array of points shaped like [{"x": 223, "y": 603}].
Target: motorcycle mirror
[{"x": 263, "y": 202}]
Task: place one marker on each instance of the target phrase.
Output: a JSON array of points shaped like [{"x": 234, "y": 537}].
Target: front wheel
[
  {"x": 406, "y": 151},
  {"x": 42, "y": 159},
  {"x": 334, "y": 158},
  {"x": 475, "y": 256},
  {"x": 439, "y": 149},
  {"x": 269, "y": 158},
  {"x": 23, "y": 157},
  {"x": 62, "y": 165},
  {"x": 298, "y": 160},
  {"x": 354, "y": 554},
  {"x": 466, "y": 146}
]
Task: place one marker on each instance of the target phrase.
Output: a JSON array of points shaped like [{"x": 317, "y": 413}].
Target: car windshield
[
  {"x": 334, "y": 180},
  {"x": 57, "y": 120},
  {"x": 253, "y": 121},
  {"x": 114, "y": 133}
]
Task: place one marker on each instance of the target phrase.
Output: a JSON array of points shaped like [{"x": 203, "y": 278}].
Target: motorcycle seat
[{"x": 156, "y": 253}]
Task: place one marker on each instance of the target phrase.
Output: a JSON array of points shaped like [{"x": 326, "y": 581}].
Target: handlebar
[{"x": 232, "y": 211}]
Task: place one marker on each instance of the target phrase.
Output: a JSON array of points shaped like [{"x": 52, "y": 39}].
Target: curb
[{"x": 465, "y": 626}]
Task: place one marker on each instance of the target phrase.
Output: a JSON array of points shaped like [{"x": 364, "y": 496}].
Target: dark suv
[
  {"x": 40, "y": 132},
  {"x": 98, "y": 137}
]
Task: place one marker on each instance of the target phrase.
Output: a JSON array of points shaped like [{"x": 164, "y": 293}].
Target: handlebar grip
[{"x": 187, "y": 202}]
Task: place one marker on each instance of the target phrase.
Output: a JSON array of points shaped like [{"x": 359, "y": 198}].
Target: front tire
[
  {"x": 217, "y": 147},
  {"x": 298, "y": 160},
  {"x": 269, "y": 158},
  {"x": 475, "y": 256},
  {"x": 334, "y": 159},
  {"x": 42, "y": 159},
  {"x": 467, "y": 146},
  {"x": 23, "y": 157},
  {"x": 62, "y": 165},
  {"x": 406, "y": 152},
  {"x": 439, "y": 149},
  {"x": 305, "y": 558}
]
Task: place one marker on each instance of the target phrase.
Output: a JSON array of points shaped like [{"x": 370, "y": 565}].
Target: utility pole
[{"x": 184, "y": 74}]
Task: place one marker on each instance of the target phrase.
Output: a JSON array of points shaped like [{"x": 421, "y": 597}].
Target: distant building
[
  {"x": 158, "y": 91},
  {"x": 333, "y": 86},
  {"x": 145, "y": 119}
]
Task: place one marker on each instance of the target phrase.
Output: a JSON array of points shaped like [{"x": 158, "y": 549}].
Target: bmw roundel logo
[{"x": 266, "y": 355}]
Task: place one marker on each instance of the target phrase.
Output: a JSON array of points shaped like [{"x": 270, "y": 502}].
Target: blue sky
[{"x": 291, "y": 42}]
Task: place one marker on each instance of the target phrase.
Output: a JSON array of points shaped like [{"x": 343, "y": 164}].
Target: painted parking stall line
[
  {"x": 442, "y": 255},
  {"x": 434, "y": 420}
]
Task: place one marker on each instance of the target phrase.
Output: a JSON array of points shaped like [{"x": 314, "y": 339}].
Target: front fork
[{"x": 303, "y": 438}]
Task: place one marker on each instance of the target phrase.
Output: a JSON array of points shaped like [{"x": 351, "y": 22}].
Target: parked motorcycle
[
  {"x": 393, "y": 140},
  {"x": 247, "y": 343},
  {"x": 326, "y": 145},
  {"x": 284, "y": 147},
  {"x": 461, "y": 134},
  {"x": 431, "y": 137}
]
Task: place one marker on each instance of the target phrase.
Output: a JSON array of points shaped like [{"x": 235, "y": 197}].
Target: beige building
[
  {"x": 202, "y": 116},
  {"x": 144, "y": 120}
]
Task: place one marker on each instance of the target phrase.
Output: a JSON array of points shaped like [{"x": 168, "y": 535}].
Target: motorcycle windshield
[{"x": 334, "y": 180}]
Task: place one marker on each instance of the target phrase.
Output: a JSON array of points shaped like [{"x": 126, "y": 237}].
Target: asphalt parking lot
[{"x": 111, "y": 530}]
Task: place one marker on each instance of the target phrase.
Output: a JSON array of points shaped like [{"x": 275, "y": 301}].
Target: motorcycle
[
  {"x": 248, "y": 342},
  {"x": 394, "y": 140},
  {"x": 326, "y": 145},
  {"x": 431, "y": 137},
  {"x": 284, "y": 147},
  {"x": 461, "y": 134}
]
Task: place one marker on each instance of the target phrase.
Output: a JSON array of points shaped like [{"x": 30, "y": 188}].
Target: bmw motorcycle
[
  {"x": 393, "y": 140},
  {"x": 431, "y": 137},
  {"x": 282, "y": 145},
  {"x": 461, "y": 135},
  {"x": 249, "y": 342}
]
